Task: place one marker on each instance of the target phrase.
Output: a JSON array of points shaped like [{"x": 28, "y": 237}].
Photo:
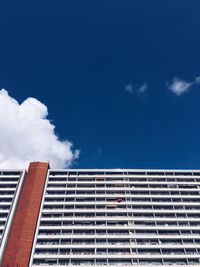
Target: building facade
[
  {"x": 10, "y": 187},
  {"x": 104, "y": 217}
]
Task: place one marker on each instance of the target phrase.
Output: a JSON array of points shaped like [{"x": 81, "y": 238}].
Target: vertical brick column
[{"x": 20, "y": 240}]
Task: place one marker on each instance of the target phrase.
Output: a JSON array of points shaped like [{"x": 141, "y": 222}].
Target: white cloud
[
  {"x": 129, "y": 88},
  {"x": 197, "y": 79},
  {"x": 179, "y": 86},
  {"x": 27, "y": 135},
  {"x": 139, "y": 90},
  {"x": 142, "y": 88}
]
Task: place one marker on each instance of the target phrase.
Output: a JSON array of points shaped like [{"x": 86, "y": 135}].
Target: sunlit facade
[
  {"x": 10, "y": 186},
  {"x": 119, "y": 218},
  {"x": 99, "y": 217}
]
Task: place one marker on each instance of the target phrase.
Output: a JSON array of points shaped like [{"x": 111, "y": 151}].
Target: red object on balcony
[
  {"x": 100, "y": 178},
  {"x": 119, "y": 199}
]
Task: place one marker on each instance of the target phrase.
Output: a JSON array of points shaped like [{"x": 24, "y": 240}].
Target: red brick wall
[{"x": 18, "y": 249}]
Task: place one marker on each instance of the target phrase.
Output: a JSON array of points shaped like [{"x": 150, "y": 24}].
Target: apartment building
[
  {"x": 10, "y": 187},
  {"x": 107, "y": 217}
]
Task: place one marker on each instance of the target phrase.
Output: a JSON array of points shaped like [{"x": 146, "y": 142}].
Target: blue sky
[{"x": 87, "y": 62}]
